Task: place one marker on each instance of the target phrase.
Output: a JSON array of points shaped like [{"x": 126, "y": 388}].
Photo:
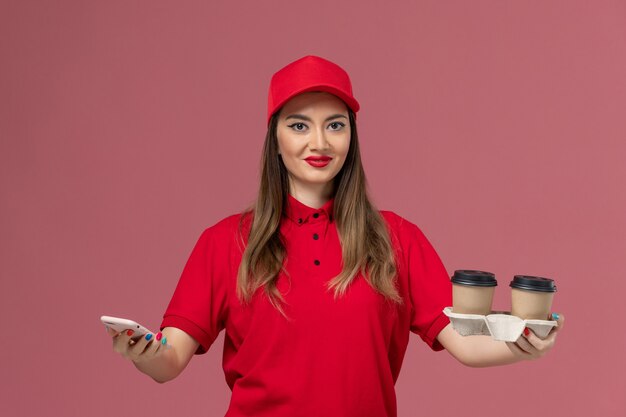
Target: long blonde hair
[{"x": 365, "y": 241}]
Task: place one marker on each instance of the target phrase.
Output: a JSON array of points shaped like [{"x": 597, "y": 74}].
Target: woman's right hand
[{"x": 141, "y": 350}]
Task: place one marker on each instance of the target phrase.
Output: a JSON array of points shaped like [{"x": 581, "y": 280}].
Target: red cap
[{"x": 310, "y": 73}]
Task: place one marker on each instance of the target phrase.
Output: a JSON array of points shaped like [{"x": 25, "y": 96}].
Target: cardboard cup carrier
[{"x": 472, "y": 295}]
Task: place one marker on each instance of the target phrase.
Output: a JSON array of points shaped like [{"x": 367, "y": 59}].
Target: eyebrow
[{"x": 303, "y": 117}]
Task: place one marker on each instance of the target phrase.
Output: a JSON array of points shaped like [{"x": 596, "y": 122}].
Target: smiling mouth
[
  {"x": 318, "y": 163},
  {"x": 319, "y": 158}
]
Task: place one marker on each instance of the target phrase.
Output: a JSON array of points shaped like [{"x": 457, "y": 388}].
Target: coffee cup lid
[
  {"x": 532, "y": 283},
  {"x": 474, "y": 278}
]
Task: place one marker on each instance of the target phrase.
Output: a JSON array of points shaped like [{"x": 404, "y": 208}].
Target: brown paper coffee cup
[
  {"x": 472, "y": 291},
  {"x": 531, "y": 297}
]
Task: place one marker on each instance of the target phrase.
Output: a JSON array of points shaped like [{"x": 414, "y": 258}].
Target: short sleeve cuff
[
  {"x": 430, "y": 337},
  {"x": 192, "y": 329}
]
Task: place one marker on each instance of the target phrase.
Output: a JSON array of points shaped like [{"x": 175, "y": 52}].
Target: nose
[{"x": 318, "y": 139}]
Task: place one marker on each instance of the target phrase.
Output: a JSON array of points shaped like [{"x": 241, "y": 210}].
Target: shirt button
[
  {"x": 300, "y": 221},
  {"x": 316, "y": 236},
  {"x": 316, "y": 215},
  {"x": 316, "y": 262}
]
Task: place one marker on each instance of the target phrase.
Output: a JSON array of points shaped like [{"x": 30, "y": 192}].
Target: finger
[
  {"x": 525, "y": 345},
  {"x": 141, "y": 345},
  {"x": 152, "y": 346},
  {"x": 157, "y": 346},
  {"x": 120, "y": 342},
  {"x": 112, "y": 332},
  {"x": 535, "y": 341},
  {"x": 164, "y": 344},
  {"x": 517, "y": 350}
]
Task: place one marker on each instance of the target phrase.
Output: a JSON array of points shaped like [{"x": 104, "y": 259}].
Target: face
[{"x": 313, "y": 125}]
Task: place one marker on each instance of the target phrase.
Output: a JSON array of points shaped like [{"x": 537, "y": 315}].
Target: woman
[{"x": 316, "y": 289}]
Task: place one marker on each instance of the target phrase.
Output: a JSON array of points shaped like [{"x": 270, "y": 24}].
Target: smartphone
[{"x": 121, "y": 325}]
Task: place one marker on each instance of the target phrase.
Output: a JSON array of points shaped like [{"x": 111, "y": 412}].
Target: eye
[
  {"x": 336, "y": 125},
  {"x": 299, "y": 127}
]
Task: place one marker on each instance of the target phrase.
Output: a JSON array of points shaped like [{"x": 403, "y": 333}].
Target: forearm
[
  {"x": 483, "y": 351},
  {"x": 478, "y": 351}
]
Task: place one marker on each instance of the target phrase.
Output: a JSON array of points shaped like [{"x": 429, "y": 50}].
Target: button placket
[{"x": 316, "y": 237}]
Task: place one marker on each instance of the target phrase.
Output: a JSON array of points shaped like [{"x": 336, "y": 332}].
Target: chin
[{"x": 318, "y": 180}]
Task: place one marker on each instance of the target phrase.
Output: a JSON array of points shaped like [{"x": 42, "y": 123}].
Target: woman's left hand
[{"x": 529, "y": 346}]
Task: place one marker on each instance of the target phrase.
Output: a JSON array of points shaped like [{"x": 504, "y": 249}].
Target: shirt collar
[{"x": 300, "y": 213}]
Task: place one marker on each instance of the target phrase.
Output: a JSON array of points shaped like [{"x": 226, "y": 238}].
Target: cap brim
[{"x": 349, "y": 101}]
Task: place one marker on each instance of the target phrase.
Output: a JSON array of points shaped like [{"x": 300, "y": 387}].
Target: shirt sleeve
[
  {"x": 199, "y": 303},
  {"x": 430, "y": 289}
]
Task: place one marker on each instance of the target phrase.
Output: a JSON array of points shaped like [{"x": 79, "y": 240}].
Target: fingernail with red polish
[
  {"x": 526, "y": 331},
  {"x": 158, "y": 336},
  {"x": 129, "y": 332}
]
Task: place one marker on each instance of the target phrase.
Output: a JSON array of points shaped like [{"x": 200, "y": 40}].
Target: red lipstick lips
[{"x": 318, "y": 161}]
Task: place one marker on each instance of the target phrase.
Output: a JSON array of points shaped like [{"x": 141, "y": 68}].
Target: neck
[{"x": 312, "y": 196}]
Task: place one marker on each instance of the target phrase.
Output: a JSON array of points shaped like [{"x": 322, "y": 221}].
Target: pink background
[{"x": 128, "y": 127}]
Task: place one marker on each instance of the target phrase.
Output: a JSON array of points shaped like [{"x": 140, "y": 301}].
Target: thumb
[{"x": 560, "y": 320}]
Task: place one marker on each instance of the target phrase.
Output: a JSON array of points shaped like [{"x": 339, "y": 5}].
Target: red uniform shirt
[{"x": 333, "y": 358}]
